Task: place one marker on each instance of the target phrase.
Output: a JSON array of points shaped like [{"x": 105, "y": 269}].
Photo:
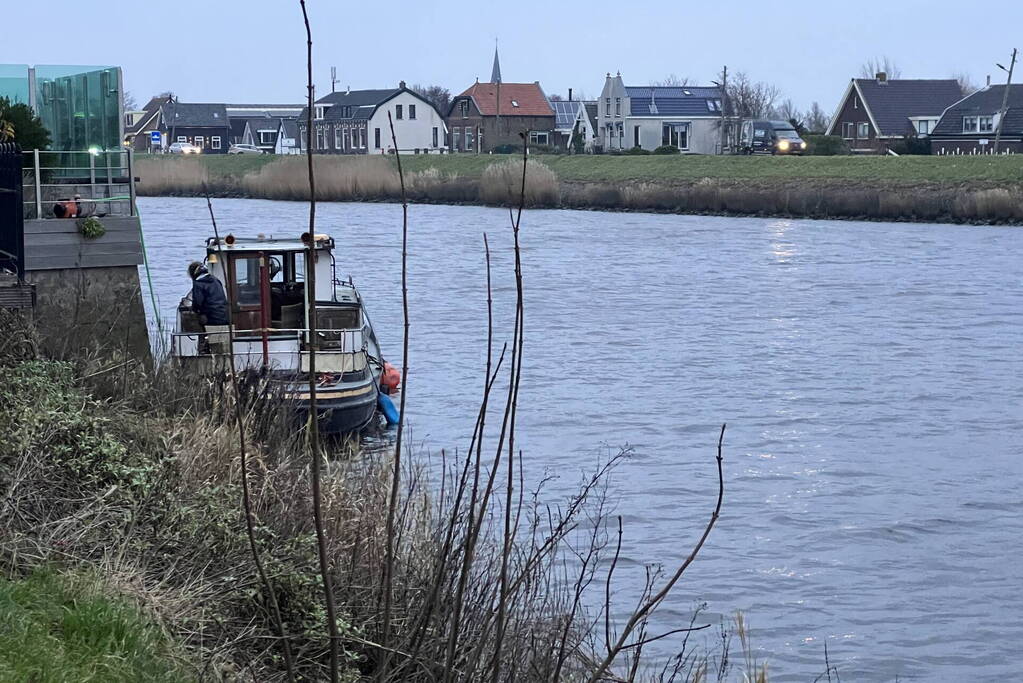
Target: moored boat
[{"x": 267, "y": 285}]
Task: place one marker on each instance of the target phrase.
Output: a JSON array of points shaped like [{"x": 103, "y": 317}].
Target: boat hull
[{"x": 341, "y": 411}]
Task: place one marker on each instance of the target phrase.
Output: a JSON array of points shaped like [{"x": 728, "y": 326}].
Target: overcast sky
[{"x": 254, "y": 50}]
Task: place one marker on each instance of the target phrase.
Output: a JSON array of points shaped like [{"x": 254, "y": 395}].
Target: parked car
[
  {"x": 242, "y": 148},
  {"x": 184, "y": 148},
  {"x": 771, "y": 137}
]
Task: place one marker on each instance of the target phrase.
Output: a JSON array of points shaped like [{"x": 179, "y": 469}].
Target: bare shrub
[{"x": 501, "y": 184}]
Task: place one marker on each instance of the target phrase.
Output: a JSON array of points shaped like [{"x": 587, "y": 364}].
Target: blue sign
[{"x": 154, "y": 137}]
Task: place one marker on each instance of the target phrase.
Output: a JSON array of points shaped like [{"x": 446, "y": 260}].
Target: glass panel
[
  {"x": 81, "y": 106},
  {"x": 14, "y": 82},
  {"x": 246, "y": 280}
]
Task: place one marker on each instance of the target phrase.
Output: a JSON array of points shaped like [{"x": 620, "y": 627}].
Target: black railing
[{"x": 12, "y": 223}]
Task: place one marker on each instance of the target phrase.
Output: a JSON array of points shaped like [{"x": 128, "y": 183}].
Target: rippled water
[{"x": 869, "y": 373}]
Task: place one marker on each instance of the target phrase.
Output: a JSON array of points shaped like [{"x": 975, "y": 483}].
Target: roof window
[
  {"x": 515, "y": 103},
  {"x": 687, "y": 92}
]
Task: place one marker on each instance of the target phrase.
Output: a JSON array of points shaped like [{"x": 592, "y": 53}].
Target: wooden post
[{"x": 1005, "y": 104}]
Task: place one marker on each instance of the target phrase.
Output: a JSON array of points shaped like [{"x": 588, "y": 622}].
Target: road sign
[{"x": 154, "y": 137}]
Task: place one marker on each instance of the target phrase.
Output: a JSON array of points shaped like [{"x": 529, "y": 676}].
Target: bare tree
[
  {"x": 128, "y": 101},
  {"x": 816, "y": 119},
  {"x": 556, "y": 98},
  {"x": 876, "y": 65},
  {"x": 750, "y": 99},
  {"x": 788, "y": 111},
  {"x": 671, "y": 81},
  {"x": 438, "y": 96},
  {"x": 966, "y": 83}
]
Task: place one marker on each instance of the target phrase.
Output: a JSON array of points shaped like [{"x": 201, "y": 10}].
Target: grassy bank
[{"x": 935, "y": 189}]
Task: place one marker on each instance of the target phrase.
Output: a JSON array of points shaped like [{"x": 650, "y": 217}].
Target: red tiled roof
[{"x": 517, "y": 99}]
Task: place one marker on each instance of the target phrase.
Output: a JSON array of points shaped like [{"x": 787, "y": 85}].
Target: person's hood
[{"x": 201, "y": 273}]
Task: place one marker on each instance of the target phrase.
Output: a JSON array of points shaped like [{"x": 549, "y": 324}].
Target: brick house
[
  {"x": 876, "y": 114},
  {"x": 355, "y": 122},
  {"x": 138, "y": 133},
  {"x": 969, "y": 125},
  {"x": 493, "y": 115}
]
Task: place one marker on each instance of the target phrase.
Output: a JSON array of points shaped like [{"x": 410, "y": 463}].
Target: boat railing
[
  {"x": 101, "y": 182},
  {"x": 285, "y": 345}
]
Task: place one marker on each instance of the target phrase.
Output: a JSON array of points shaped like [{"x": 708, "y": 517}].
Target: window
[
  {"x": 987, "y": 124},
  {"x": 969, "y": 124},
  {"x": 215, "y": 142},
  {"x": 463, "y": 107},
  {"x": 435, "y": 137},
  {"x": 198, "y": 141},
  {"x": 397, "y": 111},
  {"x": 618, "y": 106},
  {"x": 676, "y": 135},
  {"x": 621, "y": 135},
  {"x": 266, "y": 137},
  {"x": 539, "y": 137},
  {"x": 456, "y": 137},
  {"x": 337, "y": 139},
  {"x": 246, "y": 281},
  {"x": 515, "y": 103},
  {"x": 412, "y": 112},
  {"x": 346, "y": 111},
  {"x": 607, "y": 106},
  {"x": 319, "y": 110},
  {"x": 182, "y": 138},
  {"x": 346, "y": 139},
  {"x": 856, "y": 102},
  {"x": 362, "y": 139},
  {"x": 319, "y": 139},
  {"x": 923, "y": 127},
  {"x": 468, "y": 139},
  {"x": 714, "y": 105},
  {"x": 863, "y": 131},
  {"x": 847, "y": 131},
  {"x": 636, "y": 137},
  {"x": 376, "y": 138}
]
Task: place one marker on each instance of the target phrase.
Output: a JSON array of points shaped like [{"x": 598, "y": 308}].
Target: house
[
  {"x": 239, "y": 115},
  {"x": 287, "y": 137},
  {"x": 969, "y": 125},
  {"x": 573, "y": 129},
  {"x": 648, "y": 117},
  {"x": 355, "y": 122},
  {"x": 262, "y": 132},
  {"x": 876, "y": 114},
  {"x": 138, "y": 133},
  {"x": 204, "y": 125}
]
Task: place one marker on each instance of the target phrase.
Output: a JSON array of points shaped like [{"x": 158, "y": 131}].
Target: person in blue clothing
[{"x": 208, "y": 298}]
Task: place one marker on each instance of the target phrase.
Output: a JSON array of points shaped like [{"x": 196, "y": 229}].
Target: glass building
[{"x": 79, "y": 105}]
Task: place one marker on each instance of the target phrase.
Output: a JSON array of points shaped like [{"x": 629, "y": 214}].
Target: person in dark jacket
[{"x": 208, "y": 298}]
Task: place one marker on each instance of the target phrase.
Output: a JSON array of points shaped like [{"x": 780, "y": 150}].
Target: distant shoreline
[{"x": 964, "y": 190}]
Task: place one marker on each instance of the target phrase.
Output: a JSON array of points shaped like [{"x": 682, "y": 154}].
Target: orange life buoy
[{"x": 390, "y": 378}]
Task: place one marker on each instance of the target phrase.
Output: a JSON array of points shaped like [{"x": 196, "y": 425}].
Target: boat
[{"x": 265, "y": 280}]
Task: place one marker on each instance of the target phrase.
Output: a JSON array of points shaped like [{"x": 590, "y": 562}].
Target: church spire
[{"x": 495, "y": 75}]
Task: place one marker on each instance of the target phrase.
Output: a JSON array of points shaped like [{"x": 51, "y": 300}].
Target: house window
[
  {"x": 468, "y": 139},
  {"x": 539, "y": 137},
  {"x": 318, "y": 112},
  {"x": 969, "y": 124},
  {"x": 863, "y": 131},
  {"x": 987, "y": 124},
  {"x": 621, "y": 135},
  {"x": 266, "y": 137},
  {"x": 337, "y": 139},
  {"x": 346, "y": 112},
  {"x": 319, "y": 139},
  {"x": 463, "y": 107},
  {"x": 412, "y": 112},
  {"x": 923, "y": 127},
  {"x": 856, "y": 102},
  {"x": 456, "y": 137},
  {"x": 636, "y": 137},
  {"x": 676, "y": 135},
  {"x": 618, "y": 106},
  {"x": 346, "y": 139},
  {"x": 607, "y": 106},
  {"x": 435, "y": 137},
  {"x": 198, "y": 141},
  {"x": 397, "y": 111},
  {"x": 847, "y": 130},
  {"x": 362, "y": 138},
  {"x": 215, "y": 142},
  {"x": 376, "y": 138}
]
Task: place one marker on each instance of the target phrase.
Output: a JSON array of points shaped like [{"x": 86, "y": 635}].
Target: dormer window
[
  {"x": 969, "y": 124},
  {"x": 320, "y": 110},
  {"x": 986, "y": 124}
]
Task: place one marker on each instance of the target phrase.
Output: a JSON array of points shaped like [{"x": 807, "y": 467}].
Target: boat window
[
  {"x": 298, "y": 267},
  {"x": 276, "y": 269},
  {"x": 246, "y": 280},
  {"x": 338, "y": 319}
]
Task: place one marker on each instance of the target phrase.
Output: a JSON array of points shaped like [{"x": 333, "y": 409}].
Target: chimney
[
  {"x": 989, "y": 80},
  {"x": 401, "y": 84},
  {"x": 882, "y": 78},
  {"x": 569, "y": 94},
  {"x": 349, "y": 90}
]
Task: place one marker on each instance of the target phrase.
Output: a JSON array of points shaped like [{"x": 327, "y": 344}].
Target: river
[{"x": 870, "y": 375}]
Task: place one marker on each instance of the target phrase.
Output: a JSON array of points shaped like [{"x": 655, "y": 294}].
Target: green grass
[
  {"x": 900, "y": 170},
  {"x": 55, "y": 630}
]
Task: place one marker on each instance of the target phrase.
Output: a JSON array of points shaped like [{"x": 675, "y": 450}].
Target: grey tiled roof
[
  {"x": 674, "y": 101},
  {"x": 195, "y": 115},
  {"x": 354, "y": 99},
  {"x": 986, "y": 102},
  {"x": 892, "y": 103}
]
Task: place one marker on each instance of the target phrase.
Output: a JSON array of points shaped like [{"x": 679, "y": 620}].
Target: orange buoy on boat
[{"x": 390, "y": 378}]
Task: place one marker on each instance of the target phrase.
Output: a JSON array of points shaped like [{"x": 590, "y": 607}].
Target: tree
[
  {"x": 556, "y": 98},
  {"x": 19, "y": 123},
  {"x": 671, "y": 81},
  {"x": 875, "y": 65},
  {"x": 788, "y": 111},
  {"x": 966, "y": 83},
  {"x": 128, "y": 101},
  {"x": 436, "y": 95},
  {"x": 816, "y": 120},
  {"x": 751, "y": 100}
]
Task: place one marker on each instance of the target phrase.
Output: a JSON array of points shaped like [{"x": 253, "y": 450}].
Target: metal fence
[{"x": 98, "y": 182}]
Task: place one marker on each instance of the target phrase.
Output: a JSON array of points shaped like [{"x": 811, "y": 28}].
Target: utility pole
[
  {"x": 1005, "y": 101},
  {"x": 333, "y": 78},
  {"x": 724, "y": 108}
]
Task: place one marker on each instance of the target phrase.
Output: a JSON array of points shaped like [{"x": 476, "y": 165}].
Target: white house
[
  {"x": 356, "y": 122},
  {"x": 687, "y": 117},
  {"x": 287, "y": 138}
]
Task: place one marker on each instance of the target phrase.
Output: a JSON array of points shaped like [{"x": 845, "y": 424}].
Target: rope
[{"x": 149, "y": 277}]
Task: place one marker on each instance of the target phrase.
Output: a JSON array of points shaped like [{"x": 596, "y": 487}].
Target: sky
[{"x": 239, "y": 51}]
